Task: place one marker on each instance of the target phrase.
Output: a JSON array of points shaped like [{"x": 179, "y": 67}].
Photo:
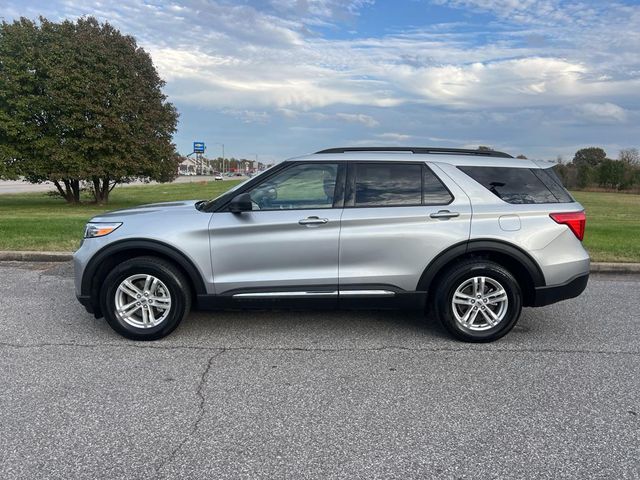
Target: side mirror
[{"x": 241, "y": 203}]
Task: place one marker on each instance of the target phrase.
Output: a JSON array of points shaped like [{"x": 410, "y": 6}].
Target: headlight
[{"x": 93, "y": 230}]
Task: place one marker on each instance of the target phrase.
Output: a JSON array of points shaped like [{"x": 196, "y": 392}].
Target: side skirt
[{"x": 369, "y": 297}]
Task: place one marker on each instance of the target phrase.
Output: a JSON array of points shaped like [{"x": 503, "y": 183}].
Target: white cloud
[
  {"x": 397, "y": 137},
  {"x": 603, "y": 112},
  {"x": 231, "y": 55},
  {"x": 551, "y": 64},
  {"x": 520, "y": 82},
  {"x": 248, "y": 116},
  {"x": 545, "y": 12},
  {"x": 366, "y": 120},
  {"x": 318, "y": 11}
]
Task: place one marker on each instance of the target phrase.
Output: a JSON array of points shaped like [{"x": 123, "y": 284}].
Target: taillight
[{"x": 574, "y": 220}]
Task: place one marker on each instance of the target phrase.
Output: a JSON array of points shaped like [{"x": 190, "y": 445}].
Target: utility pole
[{"x": 222, "y": 144}]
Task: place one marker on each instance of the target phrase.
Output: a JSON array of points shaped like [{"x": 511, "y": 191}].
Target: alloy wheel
[
  {"x": 479, "y": 304},
  {"x": 142, "y": 301}
]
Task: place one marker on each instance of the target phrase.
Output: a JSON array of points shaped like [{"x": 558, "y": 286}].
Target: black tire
[
  {"x": 167, "y": 273},
  {"x": 456, "y": 277}
]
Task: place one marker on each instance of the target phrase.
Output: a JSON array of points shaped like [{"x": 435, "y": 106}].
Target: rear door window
[
  {"x": 386, "y": 184},
  {"x": 397, "y": 184},
  {"x": 433, "y": 190},
  {"x": 519, "y": 185}
]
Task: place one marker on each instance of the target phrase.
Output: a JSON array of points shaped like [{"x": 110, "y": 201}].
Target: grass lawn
[
  {"x": 34, "y": 221},
  {"x": 613, "y": 226}
]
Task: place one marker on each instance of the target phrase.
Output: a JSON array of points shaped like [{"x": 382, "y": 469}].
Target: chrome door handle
[
  {"x": 444, "y": 214},
  {"x": 313, "y": 221}
]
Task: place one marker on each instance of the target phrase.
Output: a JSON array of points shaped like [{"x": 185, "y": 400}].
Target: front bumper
[
  {"x": 85, "y": 300},
  {"x": 556, "y": 293}
]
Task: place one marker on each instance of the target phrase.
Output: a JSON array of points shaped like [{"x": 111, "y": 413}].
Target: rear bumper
[{"x": 556, "y": 293}]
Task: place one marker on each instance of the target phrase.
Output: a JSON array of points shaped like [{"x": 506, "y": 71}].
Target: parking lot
[{"x": 307, "y": 394}]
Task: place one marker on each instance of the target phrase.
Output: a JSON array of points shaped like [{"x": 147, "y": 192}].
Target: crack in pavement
[
  {"x": 201, "y": 403},
  {"x": 320, "y": 349}
]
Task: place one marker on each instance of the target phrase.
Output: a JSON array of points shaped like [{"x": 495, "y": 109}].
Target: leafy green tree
[
  {"x": 591, "y": 157},
  {"x": 80, "y": 102},
  {"x": 630, "y": 156},
  {"x": 631, "y": 175},
  {"x": 584, "y": 175},
  {"x": 610, "y": 173},
  {"x": 562, "y": 171}
]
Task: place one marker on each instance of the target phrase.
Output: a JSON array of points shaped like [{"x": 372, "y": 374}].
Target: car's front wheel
[
  {"x": 145, "y": 298},
  {"x": 478, "y": 301}
]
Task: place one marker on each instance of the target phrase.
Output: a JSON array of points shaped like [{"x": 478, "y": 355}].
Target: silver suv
[{"x": 468, "y": 236}]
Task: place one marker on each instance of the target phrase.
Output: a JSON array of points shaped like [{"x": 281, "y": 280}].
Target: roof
[
  {"x": 424, "y": 150},
  {"x": 458, "y": 157}
]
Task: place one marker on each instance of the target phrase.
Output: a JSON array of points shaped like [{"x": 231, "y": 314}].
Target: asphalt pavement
[{"x": 309, "y": 394}]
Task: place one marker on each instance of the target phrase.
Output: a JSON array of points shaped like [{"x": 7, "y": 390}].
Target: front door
[{"x": 287, "y": 246}]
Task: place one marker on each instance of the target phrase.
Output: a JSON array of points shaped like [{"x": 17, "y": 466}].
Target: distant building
[{"x": 188, "y": 166}]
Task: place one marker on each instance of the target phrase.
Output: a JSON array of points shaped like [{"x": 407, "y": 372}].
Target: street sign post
[{"x": 198, "y": 147}]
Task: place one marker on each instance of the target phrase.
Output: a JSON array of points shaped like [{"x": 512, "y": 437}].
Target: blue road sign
[{"x": 198, "y": 147}]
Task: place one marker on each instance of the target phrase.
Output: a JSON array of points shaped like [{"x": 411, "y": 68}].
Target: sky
[{"x": 281, "y": 78}]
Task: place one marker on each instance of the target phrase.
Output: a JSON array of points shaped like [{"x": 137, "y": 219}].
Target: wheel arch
[
  {"x": 517, "y": 261},
  {"x": 105, "y": 259}
]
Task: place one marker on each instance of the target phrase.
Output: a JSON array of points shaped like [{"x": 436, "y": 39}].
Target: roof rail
[{"x": 434, "y": 150}]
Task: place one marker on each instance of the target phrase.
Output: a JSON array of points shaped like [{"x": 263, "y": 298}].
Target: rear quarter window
[{"x": 520, "y": 185}]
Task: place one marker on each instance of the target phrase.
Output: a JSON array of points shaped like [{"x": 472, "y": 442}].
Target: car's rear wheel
[
  {"x": 478, "y": 301},
  {"x": 145, "y": 298}
]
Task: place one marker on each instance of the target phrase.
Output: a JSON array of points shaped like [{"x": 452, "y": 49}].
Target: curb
[
  {"x": 27, "y": 256},
  {"x": 16, "y": 256},
  {"x": 608, "y": 267}
]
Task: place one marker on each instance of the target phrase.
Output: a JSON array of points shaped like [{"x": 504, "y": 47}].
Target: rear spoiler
[{"x": 545, "y": 163}]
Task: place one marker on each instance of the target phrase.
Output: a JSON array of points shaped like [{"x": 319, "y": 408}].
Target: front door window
[{"x": 306, "y": 186}]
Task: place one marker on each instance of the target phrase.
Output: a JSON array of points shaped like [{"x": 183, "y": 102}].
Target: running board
[
  {"x": 285, "y": 294},
  {"x": 367, "y": 293},
  {"x": 343, "y": 293}
]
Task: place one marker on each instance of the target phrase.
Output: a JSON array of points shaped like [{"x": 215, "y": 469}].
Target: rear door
[{"x": 398, "y": 217}]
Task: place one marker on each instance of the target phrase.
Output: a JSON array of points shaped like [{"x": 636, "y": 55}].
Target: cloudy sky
[{"x": 278, "y": 78}]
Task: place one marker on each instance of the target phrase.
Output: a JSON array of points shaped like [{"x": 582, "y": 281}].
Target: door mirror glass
[{"x": 240, "y": 203}]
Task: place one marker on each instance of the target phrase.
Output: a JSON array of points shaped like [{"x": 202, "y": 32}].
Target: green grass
[
  {"x": 35, "y": 221},
  {"x": 613, "y": 226}
]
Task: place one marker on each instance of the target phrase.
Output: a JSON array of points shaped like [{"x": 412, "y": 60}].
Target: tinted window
[
  {"x": 518, "y": 185},
  {"x": 386, "y": 184},
  {"x": 433, "y": 191},
  {"x": 311, "y": 185},
  {"x": 551, "y": 180}
]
